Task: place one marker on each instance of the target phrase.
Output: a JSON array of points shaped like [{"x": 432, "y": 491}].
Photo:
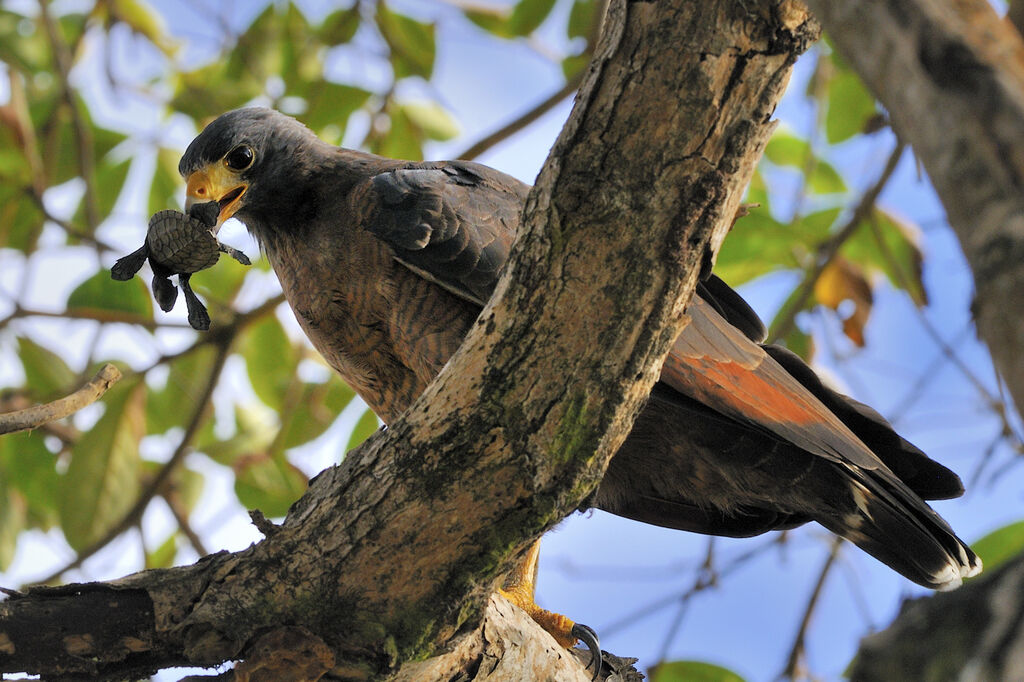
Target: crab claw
[{"x": 586, "y": 634}]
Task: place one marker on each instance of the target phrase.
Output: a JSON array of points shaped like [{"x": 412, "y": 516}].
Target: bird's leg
[
  {"x": 519, "y": 589},
  {"x": 234, "y": 253},
  {"x": 197, "y": 315}
]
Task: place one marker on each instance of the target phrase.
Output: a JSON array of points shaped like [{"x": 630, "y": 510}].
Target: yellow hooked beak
[{"x": 215, "y": 183}]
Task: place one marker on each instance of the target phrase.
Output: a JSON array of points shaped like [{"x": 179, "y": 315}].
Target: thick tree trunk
[
  {"x": 951, "y": 75},
  {"x": 389, "y": 558},
  {"x": 974, "y": 633}
]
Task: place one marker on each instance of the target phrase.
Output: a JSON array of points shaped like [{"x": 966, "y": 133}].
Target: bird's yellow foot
[{"x": 519, "y": 589}]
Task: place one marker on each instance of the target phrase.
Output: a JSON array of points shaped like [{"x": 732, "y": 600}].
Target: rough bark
[
  {"x": 951, "y": 75},
  {"x": 389, "y": 558},
  {"x": 974, "y": 633}
]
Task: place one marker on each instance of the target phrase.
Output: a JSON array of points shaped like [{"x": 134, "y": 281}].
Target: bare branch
[{"x": 33, "y": 417}]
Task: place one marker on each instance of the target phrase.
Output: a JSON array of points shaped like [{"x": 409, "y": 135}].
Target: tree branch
[
  {"x": 37, "y": 415},
  {"x": 390, "y": 557},
  {"x": 951, "y": 76}
]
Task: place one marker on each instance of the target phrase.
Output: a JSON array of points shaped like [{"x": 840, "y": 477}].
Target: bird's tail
[{"x": 891, "y": 523}]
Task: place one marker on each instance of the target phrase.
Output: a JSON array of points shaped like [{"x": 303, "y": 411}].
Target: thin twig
[
  {"x": 829, "y": 249},
  {"x": 796, "y": 653},
  {"x": 173, "y": 499},
  {"x": 513, "y": 127},
  {"x": 33, "y": 417}
]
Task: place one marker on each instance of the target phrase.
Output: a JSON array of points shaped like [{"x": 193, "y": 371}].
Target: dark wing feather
[
  {"x": 732, "y": 307},
  {"x": 926, "y": 477},
  {"x": 443, "y": 227}
]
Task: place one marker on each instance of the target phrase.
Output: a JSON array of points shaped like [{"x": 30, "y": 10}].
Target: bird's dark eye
[{"x": 239, "y": 158}]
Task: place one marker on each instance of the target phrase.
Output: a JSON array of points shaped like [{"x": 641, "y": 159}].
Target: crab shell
[{"x": 181, "y": 243}]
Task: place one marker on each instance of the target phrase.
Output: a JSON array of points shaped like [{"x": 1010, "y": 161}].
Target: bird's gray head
[{"x": 250, "y": 161}]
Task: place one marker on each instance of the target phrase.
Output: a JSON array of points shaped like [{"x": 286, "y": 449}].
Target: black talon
[{"x": 587, "y": 635}]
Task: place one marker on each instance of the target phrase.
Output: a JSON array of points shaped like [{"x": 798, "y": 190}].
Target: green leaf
[
  {"x": 889, "y": 245},
  {"x": 574, "y": 64},
  {"x": 800, "y": 343},
  {"x": 432, "y": 119},
  {"x": 255, "y": 430},
  {"x": 271, "y": 360},
  {"x": 340, "y": 26},
  {"x": 110, "y": 177},
  {"x": 785, "y": 149},
  {"x": 12, "y": 521},
  {"x": 402, "y": 141},
  {"x": 270, "y": 484},
  {"x": 171, "y": 406},
  {"x": 220, "y": 284},
  {"x": 331, "y": 104},
  {"x": 163, "y": 556},
  {"x": 494, "y": 21},
  {"x": 582, "y": 18},
  {"x": 1000, "y": 545},
  {"x": 100, "y": 294},
  {"x": 21, "y": 221},
  {"x": 825, "y": 179},
  {"x": 166, "y": 181},
  {"x": 46, "y": 374},
  {"x": 28, "y": 466},
  {"x": 102, "y": 479},
  {"x": 528, "y": 15},
  {"x": 146, "y": 21},
  {"x": 364, "y": 428},
  {"x": 758, "y": 244},
  {"x": 692, "y": 671},
  {"x": 412, "y": 43},
  {"x": 850, "y": 107},
  {"x": 316, "y": 410}
]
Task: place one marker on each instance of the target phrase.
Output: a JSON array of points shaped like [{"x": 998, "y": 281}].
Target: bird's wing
[
  {"x": 731, "y": 306},
  {"x": 714, "y": 363},
  {"x": 452, "y": 223}
]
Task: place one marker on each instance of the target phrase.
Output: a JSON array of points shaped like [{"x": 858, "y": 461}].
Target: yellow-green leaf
[
  {"x": 173, "y": 404},
  {"x": 163, "y": 556},
  {"x": 431, "y": 118},
  {"x": 28, "y": 466},
  {"x": 271, "y": 360},
  {"x": 270, "y": 484},
  {"x": 146, "y": 21},
  {"x": 12, "y": 520},
  {"x": 850, "y": 107},
  {"x": 316, "y": 410},
  {"x": 692, "y": 671},
  {"x": 102, "y": 479},
  {"x": 100, "y": 294},
  {"x": 364, "y": 428},
  {"x": 412, "y": 43},
  {"x": 528, "y": 15},
  {"x": 46, "y": 373},
  {"x": 1000, "y": 545},
  {"x": 340, "y": 26}
]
